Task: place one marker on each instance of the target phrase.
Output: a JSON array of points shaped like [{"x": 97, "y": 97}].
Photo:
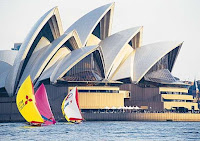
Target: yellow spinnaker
[{"x": 25, "y": 101}]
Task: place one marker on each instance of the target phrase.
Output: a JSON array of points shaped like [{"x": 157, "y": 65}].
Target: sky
[{"x": 163, "y": 20}]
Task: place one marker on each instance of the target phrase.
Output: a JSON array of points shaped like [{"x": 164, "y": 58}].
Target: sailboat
[
  {"x": 34, "y": 108},
  {"x": 43, "y": 106},
  {"x": 70, "y": 107}
]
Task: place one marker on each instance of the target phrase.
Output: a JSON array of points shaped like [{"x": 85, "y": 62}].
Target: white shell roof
[
  {"x": 7, "y": 58},
  {"x": 49, "y": 70},
  {"x": 114, "y": 48},
  {"x": 86, "y": 24},
  {"x": 71, "y": 60},
  {"x": 26, "y": 45},
  {"x": 3, "y": 78},
  {"x": 126, "y": 69},
  {"x": 121, "y": 59},
  {"x": 148, "y": 55},
  {"x": 41, "y": 62},
  {"x": 47, "y": 73}
]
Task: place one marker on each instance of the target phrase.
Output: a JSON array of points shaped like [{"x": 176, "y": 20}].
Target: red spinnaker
[{"x": 43, "y": 106}]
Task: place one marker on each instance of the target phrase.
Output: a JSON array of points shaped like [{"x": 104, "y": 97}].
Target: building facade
[{"x": 109, "y": 70}]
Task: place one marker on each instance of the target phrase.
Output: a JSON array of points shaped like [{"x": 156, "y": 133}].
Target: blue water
[{"x": 103, "y": 131}]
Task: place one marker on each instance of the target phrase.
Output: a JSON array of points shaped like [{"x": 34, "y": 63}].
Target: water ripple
[{"x": 103, "y": 131}]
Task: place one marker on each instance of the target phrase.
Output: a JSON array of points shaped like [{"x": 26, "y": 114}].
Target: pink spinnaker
[{"x": 43, "y": 106}]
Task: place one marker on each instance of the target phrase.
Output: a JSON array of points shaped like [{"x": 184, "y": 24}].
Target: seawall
[{"x": 141, "y": 117}]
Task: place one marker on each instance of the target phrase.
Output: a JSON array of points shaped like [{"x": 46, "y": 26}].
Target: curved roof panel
[
  {"x": 49, "y": 69},
  {"x": 55, "y": 26},
  {"x": 35, "y": 57},
  {"x": 146, "y": 56},
  {"x": 7, "y": 58},
  {"x": 5, "y": 67},
  {"x": 126, "y": 69},
  {"x": 116, "y": 49},
  {"x": 86, "y": 24},
  {"x": 41, "y": 47},
  {"x": 3, "y": 78},
  {"x": 71, "y": 60},
  {"x": 48, "y": 54}
]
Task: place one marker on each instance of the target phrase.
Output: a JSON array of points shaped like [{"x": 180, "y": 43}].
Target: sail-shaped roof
[
  {"x": 117, "y": 47},
  {"x": 146, "y": 56},
  {"x": 49, "y": 25},
  {"x": 126, "y": 69},
  {"x": 100, "y": 17},
  {"x": 48, "y": 53},
  {"x": 71, "y": 60},
  {"x": 51, "y": 53}
]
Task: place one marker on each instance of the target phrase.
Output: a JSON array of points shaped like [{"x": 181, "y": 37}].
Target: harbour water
[{"x": 103, "y": 131}]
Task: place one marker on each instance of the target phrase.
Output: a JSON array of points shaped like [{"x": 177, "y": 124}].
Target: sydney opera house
[{"x": 110, "y": 70}]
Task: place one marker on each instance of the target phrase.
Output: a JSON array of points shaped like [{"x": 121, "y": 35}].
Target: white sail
[{"x": 70, "y": 106}]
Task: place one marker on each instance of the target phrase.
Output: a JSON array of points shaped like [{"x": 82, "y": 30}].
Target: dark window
[
  {"x": 83, "y": 91},
  {"x": 167, "y": 100},
  {"x": 68, "y": 44},
  {"x": 99, "y": 91},
  {"x": 103, "y": 91},
  {"x": 96, "y": 31},
  {"x": 189, "y": 101},
  {"x": 130, "y": 43},
  {"x": 163, "y": 92}
]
